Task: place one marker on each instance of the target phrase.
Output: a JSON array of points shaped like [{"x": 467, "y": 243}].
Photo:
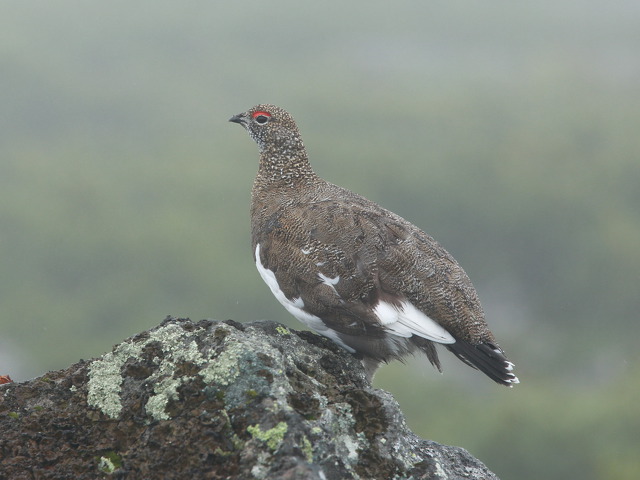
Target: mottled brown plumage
[{"x": 353, "y": 271}]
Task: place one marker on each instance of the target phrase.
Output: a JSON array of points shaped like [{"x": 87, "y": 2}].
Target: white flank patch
[
  {"x": 329, "y": 281},
  {"x": 295, "y": 306},
  {"x": 406, "y": 320}
]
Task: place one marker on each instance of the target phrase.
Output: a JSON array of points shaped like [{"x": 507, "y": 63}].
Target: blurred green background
[{"x": 508, "y": 131}]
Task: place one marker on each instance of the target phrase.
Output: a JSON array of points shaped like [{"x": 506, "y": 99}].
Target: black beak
[{"x": 240, "y": 118}]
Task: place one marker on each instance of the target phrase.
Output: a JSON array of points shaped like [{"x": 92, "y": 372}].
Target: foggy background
[{"x": 508, "y": 131}]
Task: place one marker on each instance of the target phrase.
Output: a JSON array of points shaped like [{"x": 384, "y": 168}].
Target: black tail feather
[{"x": 486, "y": 357}]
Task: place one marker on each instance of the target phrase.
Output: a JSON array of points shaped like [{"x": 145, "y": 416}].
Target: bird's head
[{"x": 272, "y": 128}]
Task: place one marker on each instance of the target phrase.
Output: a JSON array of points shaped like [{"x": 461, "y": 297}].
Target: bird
[{"x": 353, "y": 271}]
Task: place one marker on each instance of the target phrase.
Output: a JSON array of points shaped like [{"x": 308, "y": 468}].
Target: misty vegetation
[{"x": 509, "y": 132}]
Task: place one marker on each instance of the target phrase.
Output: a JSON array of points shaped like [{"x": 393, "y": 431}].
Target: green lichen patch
[
  {"x": 251, "y": 393},
  {"x": 109, "y": 462},
  {"x": 307, "y": 449},
  {"x": 272, "y": 437},
  {"x": 221, "y": 453},
  {"x": 283, "y": 330}
]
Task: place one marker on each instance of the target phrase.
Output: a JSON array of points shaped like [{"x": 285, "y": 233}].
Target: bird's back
[{"x": 331, "y": 232}]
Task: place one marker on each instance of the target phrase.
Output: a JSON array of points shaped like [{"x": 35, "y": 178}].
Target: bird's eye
[{"x": 261, "y": 117}]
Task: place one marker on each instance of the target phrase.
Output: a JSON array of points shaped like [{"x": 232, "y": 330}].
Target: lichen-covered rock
[{"x": 219, "y": 400}]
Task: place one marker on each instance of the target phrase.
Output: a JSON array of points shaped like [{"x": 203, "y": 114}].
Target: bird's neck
[{"x": 289, "y": 168}]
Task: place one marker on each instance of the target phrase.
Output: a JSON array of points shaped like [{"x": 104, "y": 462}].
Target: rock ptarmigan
[{"x": 353, "y": 271}]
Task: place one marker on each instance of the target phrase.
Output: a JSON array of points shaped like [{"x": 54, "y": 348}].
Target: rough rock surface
[{"x": 218, "y": 400}]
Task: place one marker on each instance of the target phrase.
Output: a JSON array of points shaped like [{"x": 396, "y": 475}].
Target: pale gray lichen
[
  {"x": 105, "y": 379},
  {"x": 106, "y": 465},
  {"x": 105, "y": 374},
  {"x": 225, "y": 369},
  {"x": 166, "y": 386},
  {"x": 260, "y": 470},
  {"x": 351, "y": 446},
  {"x": 348, "y": 443},
  {"x": 440, "y": 473}
]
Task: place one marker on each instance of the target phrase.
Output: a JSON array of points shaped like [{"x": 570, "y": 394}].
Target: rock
[{"x": 216, "y": 400}]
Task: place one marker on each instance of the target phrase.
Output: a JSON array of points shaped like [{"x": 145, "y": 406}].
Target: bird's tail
[{"x": 486, "y": 357}]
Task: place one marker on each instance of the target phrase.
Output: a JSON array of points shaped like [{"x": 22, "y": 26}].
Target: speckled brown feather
[{"x": 307, "y": 227}]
